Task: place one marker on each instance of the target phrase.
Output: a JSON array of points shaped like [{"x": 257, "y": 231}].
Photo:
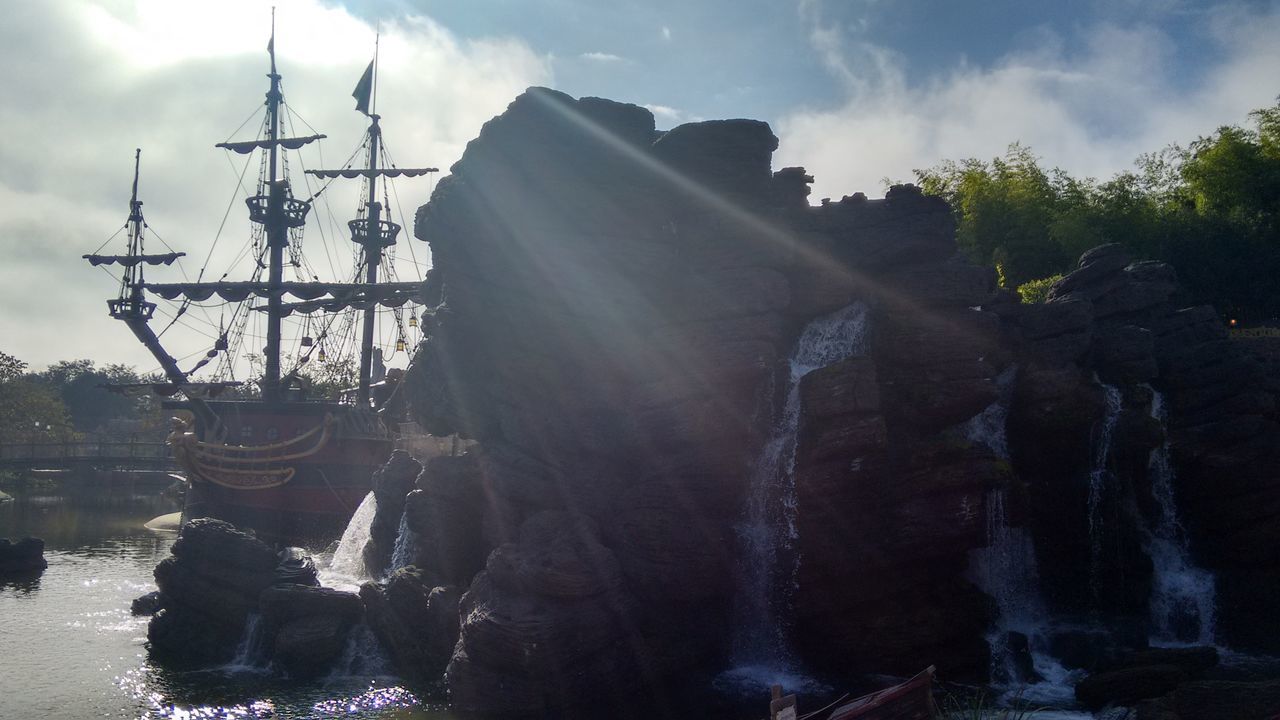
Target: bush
[{"x": 1036, "y": 290}]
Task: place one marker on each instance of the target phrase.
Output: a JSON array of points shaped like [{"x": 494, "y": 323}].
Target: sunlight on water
[
  {"x": 346, "y": 569},
  {"x": 83, "y": 655}
]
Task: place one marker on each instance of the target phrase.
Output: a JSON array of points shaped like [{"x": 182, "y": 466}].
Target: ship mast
[
  {"x": 133, "y": 309},
  {"x": 372, "y": 244},
  {"x": 371, "y": 233},
  {"x": 276, "y": 231},
  {"x": 278, "y": 212}
]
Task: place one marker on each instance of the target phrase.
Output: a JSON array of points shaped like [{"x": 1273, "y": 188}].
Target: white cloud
[
  {"x": 666, "y": 33},
  {"x": 664, "y": 112},
  {"x": 1091, "y": 113},
  {"x": 88, "y": 82},
  {"x": 602, "y": 57}
]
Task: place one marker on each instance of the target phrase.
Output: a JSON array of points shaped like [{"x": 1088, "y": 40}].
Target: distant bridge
[{"x": 81, "y": 455}]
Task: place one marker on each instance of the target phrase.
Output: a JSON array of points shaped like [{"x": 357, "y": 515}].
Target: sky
[{"x": 858, "y": 92}]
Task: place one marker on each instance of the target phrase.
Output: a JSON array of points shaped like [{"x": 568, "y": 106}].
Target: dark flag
[
  {"x": 271, "y": 45},
  {"x": 364, "y": 89}
]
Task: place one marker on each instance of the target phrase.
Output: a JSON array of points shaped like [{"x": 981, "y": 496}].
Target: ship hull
[{"x": 293, "y": 473}]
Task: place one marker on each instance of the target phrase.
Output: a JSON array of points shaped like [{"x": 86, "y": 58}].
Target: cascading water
[
  {"x": 405, "y": 547},
  {"x": 251, "y": 650},
  {"x": 346, "y": 569},
  {"x": 362, "y": 657},
  {"x": 1099, "y": 475},
  {"x": 768, "y": 531},
  {"x": 1006, "y": 570},
  {"x": 1182, "y": 596}
]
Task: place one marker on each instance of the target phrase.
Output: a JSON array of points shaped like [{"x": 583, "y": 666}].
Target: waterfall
[
  {"x": 1099, "y": 474},
  {"x": 406, "y": 545},
  {"x": 768, "y": 531},
  {"x": 987, "y": 428},
  {"x": 1182, "y": 596},
  {"x": 251, "y": 649},
  {"x": 362, "y": 657},
  {"x": 1006, "y": 570},
  {"x": 346, "y": 569}
]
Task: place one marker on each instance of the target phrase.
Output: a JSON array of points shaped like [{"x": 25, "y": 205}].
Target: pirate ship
[{"x": 290, "y": 466}]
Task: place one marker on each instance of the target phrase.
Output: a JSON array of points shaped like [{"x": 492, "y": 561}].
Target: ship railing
[
  {"x": 293, "y": 211},
  {"x": 386, "y": 234}
]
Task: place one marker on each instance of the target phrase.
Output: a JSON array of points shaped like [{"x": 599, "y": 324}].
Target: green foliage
[
  {"x": 329, "y": 379},
  {"x": 1036, "y": 290},
  {"x": 29, "y": 410},
  {"x": 93, "y": 408},
  {"x": 1211, "y": 209},
  {"x": 66, "y": 400}
]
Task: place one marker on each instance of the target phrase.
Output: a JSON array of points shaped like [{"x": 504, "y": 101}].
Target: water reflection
[{"x": 72, "y": 649}]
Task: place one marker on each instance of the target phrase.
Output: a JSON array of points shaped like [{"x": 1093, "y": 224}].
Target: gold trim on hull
[{"x": 244, "y": 467}]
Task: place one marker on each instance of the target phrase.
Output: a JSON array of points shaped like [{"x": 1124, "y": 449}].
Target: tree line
[
  {"x": 72, "y": 400},
  {"x": 1211, "y": 209}
]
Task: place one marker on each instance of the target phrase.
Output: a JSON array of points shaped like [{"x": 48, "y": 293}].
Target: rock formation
[
  {"x": 221, "y": 586},
  {"x": 616, "y": 316},
  {"x": 615, "y": 307},
  {"x": 22, "y": 559}
]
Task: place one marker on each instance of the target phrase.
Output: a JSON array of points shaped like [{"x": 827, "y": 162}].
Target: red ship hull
[{"x": 292, "y": 472}]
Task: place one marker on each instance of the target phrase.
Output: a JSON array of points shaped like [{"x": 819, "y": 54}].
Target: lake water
[{"x": 70, "y": 649}]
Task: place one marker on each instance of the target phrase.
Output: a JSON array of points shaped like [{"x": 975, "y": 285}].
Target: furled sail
[
  {"x": 352, "y": 173},
  {"x": 359, "y": 302},
  {"x": 248, "y": 146},
  {"x": 240, "y": 291},
  {"x": 132, "y": 260}
]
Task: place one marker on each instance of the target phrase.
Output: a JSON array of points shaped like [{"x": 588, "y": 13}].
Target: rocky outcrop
[
  {"x": 22, "y": 559},
  {"x": 208, "y": 587},
  {"x": 614, "y": 335},
  {"x": 218, "y": 577},
  {"x": 415, "y": 621},
  {"x": 391, "y": 483},
  {"x": 616, "y": 307},
  {"x": 1123, "y": 331},
  {"x": 307, "y": 626}
]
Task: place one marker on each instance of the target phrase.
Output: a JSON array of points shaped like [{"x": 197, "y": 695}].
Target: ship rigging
[{"x": 284, "y": 464}]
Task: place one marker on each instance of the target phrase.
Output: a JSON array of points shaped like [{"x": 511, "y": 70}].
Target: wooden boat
[
  {"x": 910, "y": 700},
  {"x": 290, "y": 467}
]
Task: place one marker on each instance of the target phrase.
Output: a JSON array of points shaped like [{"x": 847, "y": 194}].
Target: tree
[
  {"x": 1211, "y": 209},
  {"x": 81, "y": 387},
  {"x": 29, "y": 410}
]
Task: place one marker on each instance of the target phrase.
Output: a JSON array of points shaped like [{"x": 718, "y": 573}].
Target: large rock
[
  {"x": 216, "y": 570},
  {"x": 1124, "y": 687},
  {"x": 549, "y": 616},
  {"x": 23, "y": 558},
  {"x": 308, "y": 626},
  {"x": 391, "y": 483},
  {"x": 211, "y": 585},
  {"x": 615, "y": 330},
  {"x": 446, "y": 514},
  {"x": 417, "y": 623}
]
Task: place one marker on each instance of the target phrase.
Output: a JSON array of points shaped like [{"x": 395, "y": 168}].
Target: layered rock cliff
[{"x": 615, "y": 307}]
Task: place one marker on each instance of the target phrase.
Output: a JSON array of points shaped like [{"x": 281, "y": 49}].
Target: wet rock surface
[
  {"x": 219, "y": 581},
  {"x": 308, "y": 626},
  {"x": 22, "y": 559}
]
